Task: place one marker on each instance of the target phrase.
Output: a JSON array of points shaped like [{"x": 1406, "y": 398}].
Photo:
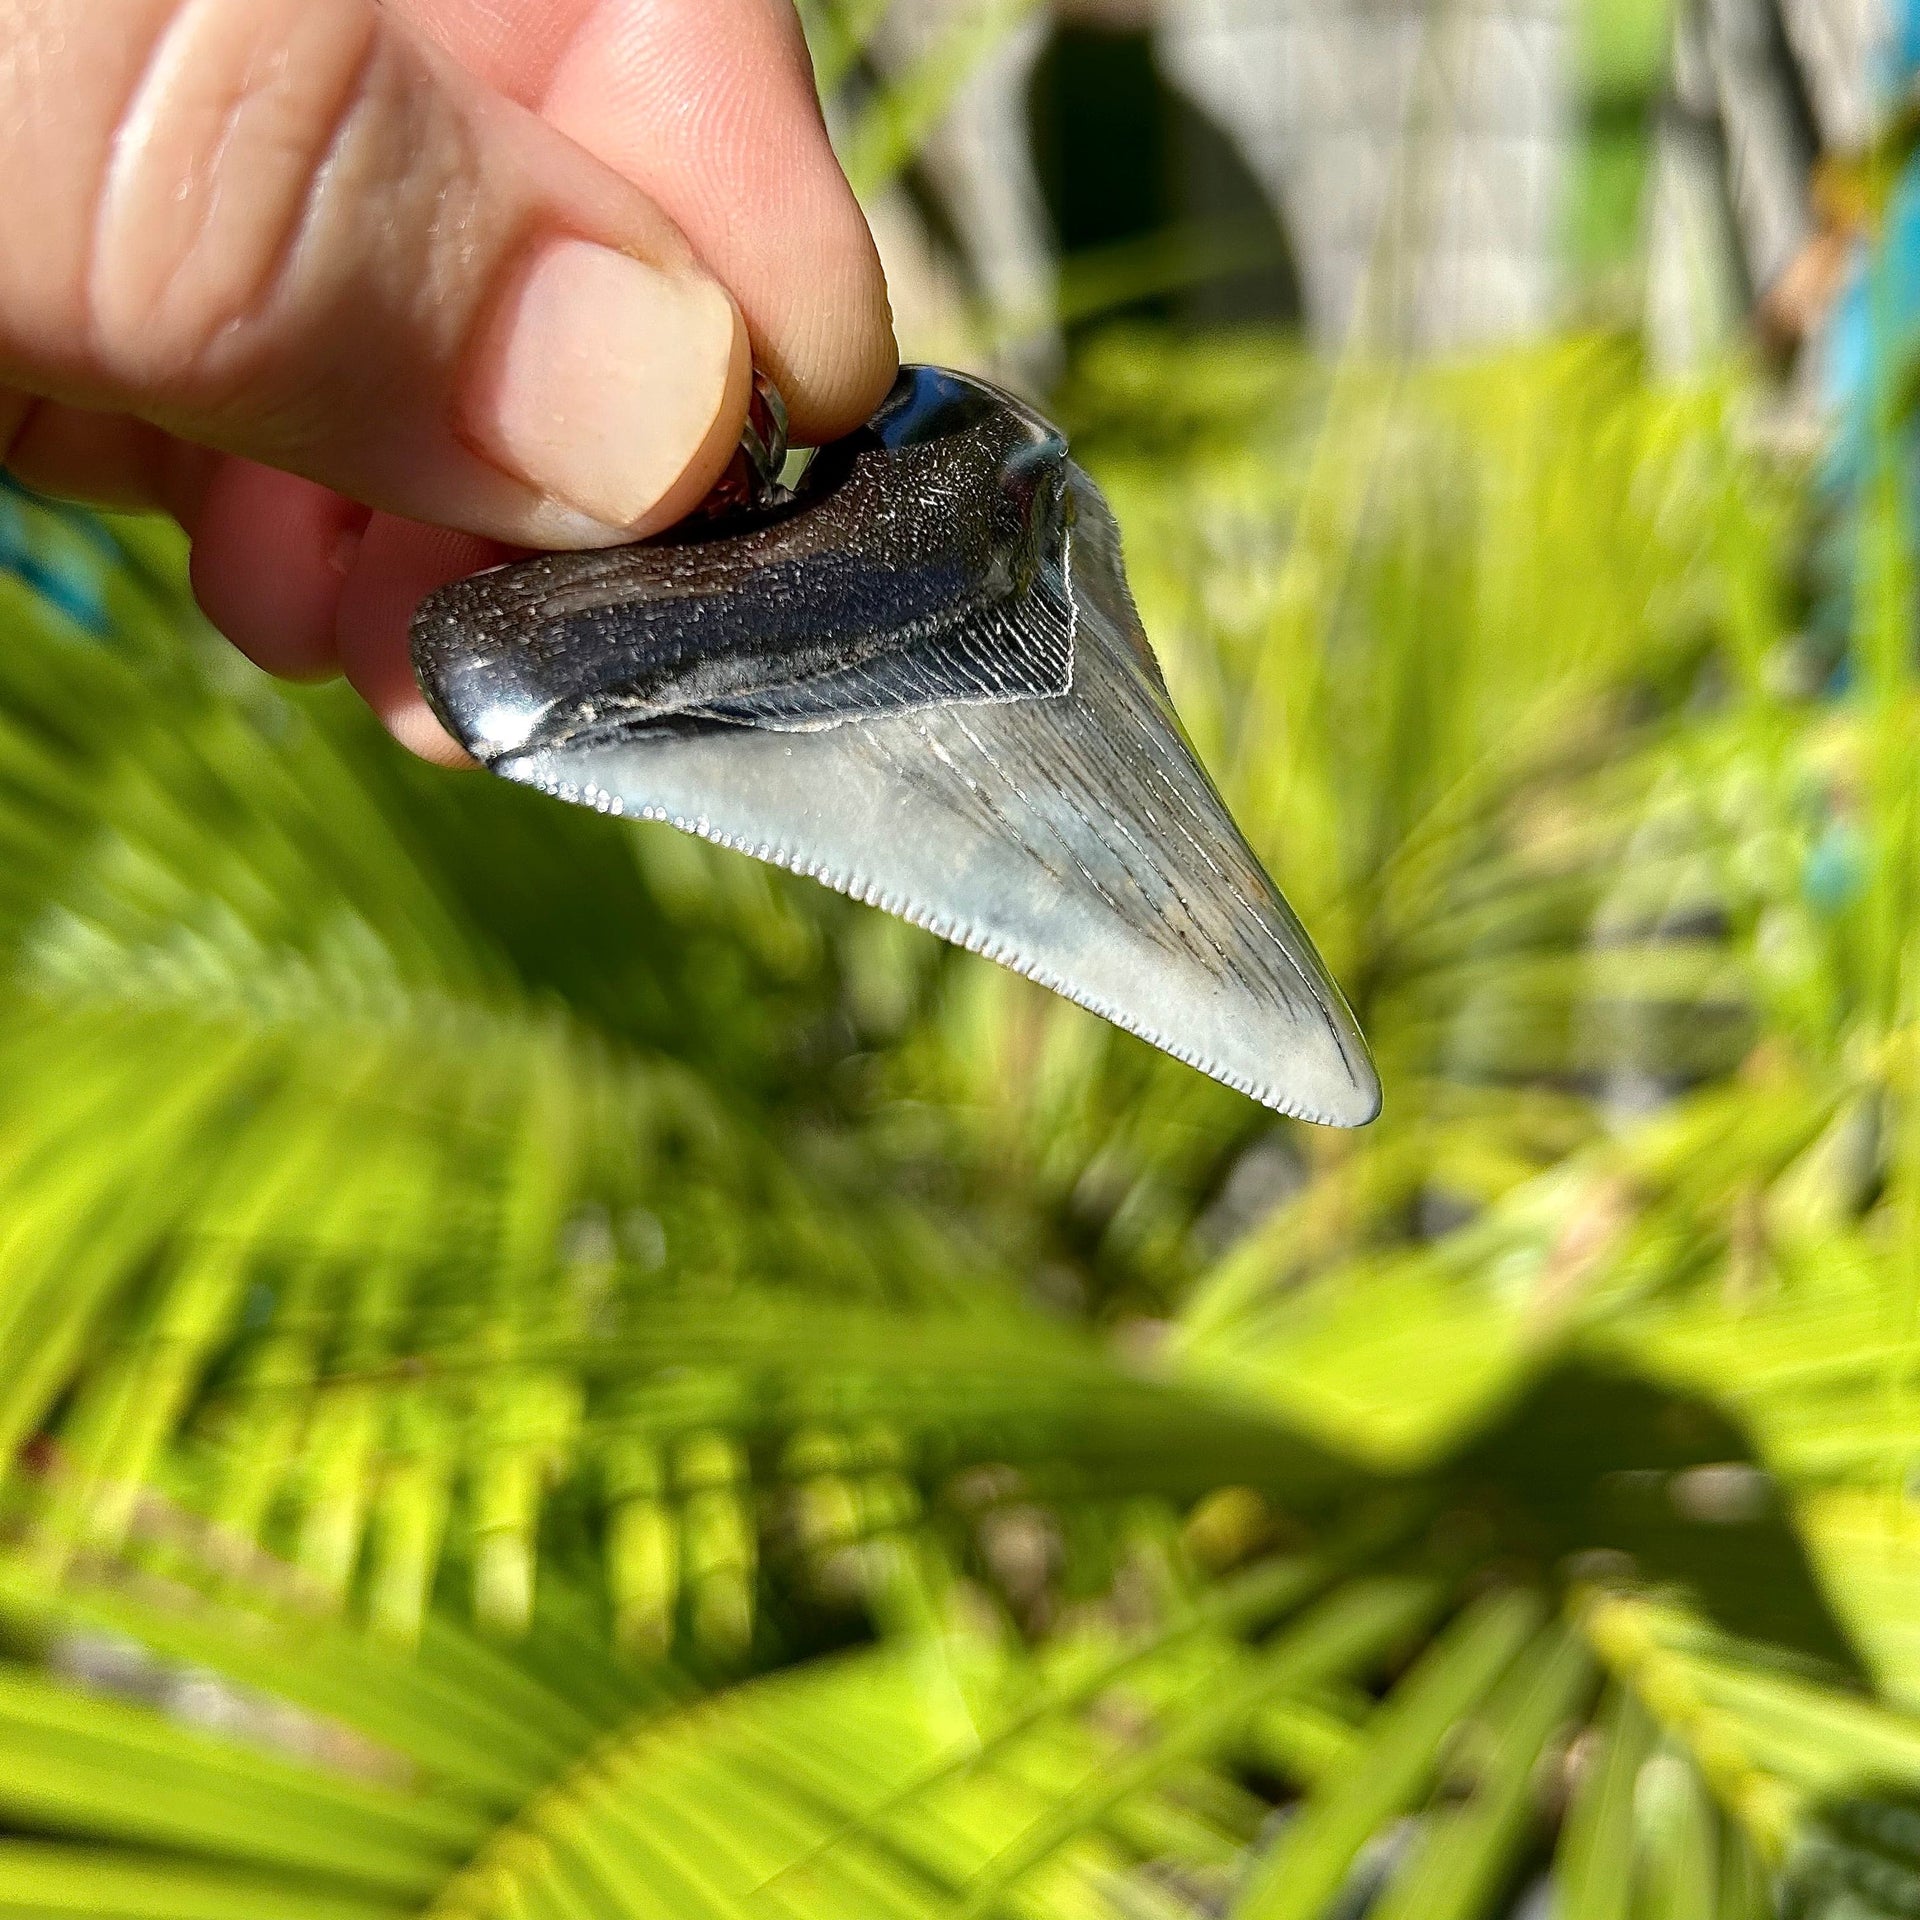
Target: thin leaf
[
  {"x": 1594, "y": 1870},
  {"x": 1466, "y": 1853},
  {"x": 1403, "y": 1746}
]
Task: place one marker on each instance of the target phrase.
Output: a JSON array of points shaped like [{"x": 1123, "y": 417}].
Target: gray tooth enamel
[{"x": 1013, "y": 778}]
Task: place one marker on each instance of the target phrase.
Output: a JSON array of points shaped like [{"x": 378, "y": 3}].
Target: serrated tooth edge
[
  {"x": 988, "y": 947},
  {"x": 972, "y": 939}
]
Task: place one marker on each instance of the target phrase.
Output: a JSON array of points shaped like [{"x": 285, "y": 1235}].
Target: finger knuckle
[{"x": 214, "y": 171}]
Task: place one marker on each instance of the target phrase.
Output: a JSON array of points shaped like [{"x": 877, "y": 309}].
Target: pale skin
[{"x": 367, "y": 293}]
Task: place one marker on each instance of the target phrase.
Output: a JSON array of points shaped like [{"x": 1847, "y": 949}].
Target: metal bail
[{"x": 752, "y": 478}]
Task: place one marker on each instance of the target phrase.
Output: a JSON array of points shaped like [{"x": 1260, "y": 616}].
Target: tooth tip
[{"x": 1356, "y": 1104}]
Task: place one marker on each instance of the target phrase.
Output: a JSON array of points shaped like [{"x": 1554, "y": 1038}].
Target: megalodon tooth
[{"x": 921, "y": 679}]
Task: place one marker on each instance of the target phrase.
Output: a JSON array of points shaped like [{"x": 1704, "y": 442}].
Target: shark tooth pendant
[{"x": 919, "y": 678}]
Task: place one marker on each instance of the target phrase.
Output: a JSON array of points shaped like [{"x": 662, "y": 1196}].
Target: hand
[{"x": 366, "y": 292}]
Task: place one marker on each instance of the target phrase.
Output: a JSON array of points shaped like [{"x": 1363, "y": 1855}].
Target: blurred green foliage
[
  {"x": 1623, "y": 44},
  {"x": 551, "y": 1372},
  {"x": 556, "y": 1372},
  {"x": 1623, "y": 47}
]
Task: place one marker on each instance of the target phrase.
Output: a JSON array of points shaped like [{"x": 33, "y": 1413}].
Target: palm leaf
[{"x": 555, "y": 1372}]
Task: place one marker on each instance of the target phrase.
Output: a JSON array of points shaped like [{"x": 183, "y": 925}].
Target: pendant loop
[{"x": 752, "y": 478}]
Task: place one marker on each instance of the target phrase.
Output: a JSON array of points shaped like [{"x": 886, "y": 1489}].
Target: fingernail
[{"x": 604, "y": 383}]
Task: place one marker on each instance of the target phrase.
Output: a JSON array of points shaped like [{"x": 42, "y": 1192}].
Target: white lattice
[{"x": 1417, "y": 148}]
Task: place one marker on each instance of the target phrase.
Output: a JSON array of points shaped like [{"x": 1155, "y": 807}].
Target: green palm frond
[
  {"x": 895, "y": 113},
  {"x": 551, "y": 1371}
]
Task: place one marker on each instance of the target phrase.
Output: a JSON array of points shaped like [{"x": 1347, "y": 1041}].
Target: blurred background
[
  {"x": 1385, "y": 175},
  {"x": 550, "y": 1372}
]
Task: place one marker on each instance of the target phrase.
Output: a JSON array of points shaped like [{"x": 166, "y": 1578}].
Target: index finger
[{"x": 709, "y": 106}]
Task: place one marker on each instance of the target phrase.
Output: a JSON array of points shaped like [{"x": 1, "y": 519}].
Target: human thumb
[{"x": 290, "y": 230}]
